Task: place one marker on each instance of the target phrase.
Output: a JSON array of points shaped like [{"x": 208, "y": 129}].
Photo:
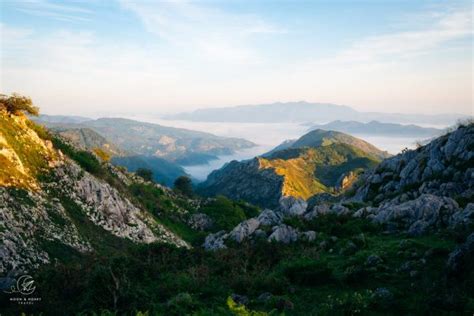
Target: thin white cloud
[
  {"x": 68, "y": 12},
  {"x": 214, "y": 34},
  {"x": 441, "y": 28}
]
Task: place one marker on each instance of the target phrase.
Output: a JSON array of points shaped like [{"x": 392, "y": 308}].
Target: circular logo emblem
[{"x": 25, "y": 285}]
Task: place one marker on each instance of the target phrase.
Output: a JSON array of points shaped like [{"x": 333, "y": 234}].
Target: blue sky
[{"x": 88, "y": 57}]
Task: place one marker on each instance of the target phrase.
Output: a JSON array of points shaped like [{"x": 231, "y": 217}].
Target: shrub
[
  {"x": 308, "y": 272},
  {"x": 145, "y": 173},
  {"x": 184, "y": 185},
  {"x": 16, "y": 104}
]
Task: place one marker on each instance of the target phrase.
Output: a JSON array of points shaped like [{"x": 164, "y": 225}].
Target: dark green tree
[
  {"x": 145, "y": 173},
  {"x": 184, "y": 185}
]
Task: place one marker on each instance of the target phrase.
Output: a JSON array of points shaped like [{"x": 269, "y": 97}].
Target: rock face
[
  {"x": 444, "y": 167},
  {"x": 419, "y": 215},
  {"x": 107, "y": 208},
  {"x": 244, "y": 230},
  {"x": 25, "y": 218},
  {"x": 215, "y": 241},
  {"x": 291, "y": 206},
  {"x": 284, "y": 234},
  {"x": 53, "y": 198},
  {"x": 417, "y": 190},
  {"x": 269, "y": 218},
  {"x": 324, "y": 209}
]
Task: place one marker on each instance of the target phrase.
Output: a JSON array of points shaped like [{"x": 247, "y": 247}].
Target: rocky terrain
[
  {"x": 48, "y": 199},
  {"x": 318, "y": 162},
  {"x": 380, "y": 237},
  {"x": 416, "y": 192}
]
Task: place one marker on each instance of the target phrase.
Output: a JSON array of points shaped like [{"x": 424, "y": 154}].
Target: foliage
[
  {"x": 84, "y": 158},
  {"x": 16, "y": 104},
  {"x": 145, "y": 173},
  {"x": 102, "y": 154},
  {"x": 240, "y": 310},
  {"x": 184, "y": 185},
  {"x": 225, "y": 213},
  {"x": 312, "y": 279}
]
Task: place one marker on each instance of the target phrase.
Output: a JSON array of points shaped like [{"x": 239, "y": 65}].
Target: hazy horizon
[{"x": 95, "y": 58}]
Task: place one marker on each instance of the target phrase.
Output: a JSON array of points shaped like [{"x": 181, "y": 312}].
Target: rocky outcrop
[
  {"x": 244, "y": 230},
  {"x": 28, "y": 219},
  {"x": 269, "y": 218},
  {"x": 284, "y": 234},
  {"x": 427, "y": 211},
  {"x": 444, "y": 167},
  {"x": 215, "y": 241},
  {"x": 324, "y": 209},
  {"x": 200, "y": 221},
  {"x": 105, "y": 207},
  {"x": 290, "y": 206}
]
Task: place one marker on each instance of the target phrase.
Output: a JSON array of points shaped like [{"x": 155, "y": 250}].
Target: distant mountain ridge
[
  {"x": 179, "y": 145},
  {"x": 379, "y": 128},
  {"x": 303, "y": 111}
]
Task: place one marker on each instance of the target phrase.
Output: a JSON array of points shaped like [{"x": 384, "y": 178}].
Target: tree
[
  {"x": 184, "y": 185},
  {"x": 145, "y": 173},
  {"x": 16, "y": 104}
]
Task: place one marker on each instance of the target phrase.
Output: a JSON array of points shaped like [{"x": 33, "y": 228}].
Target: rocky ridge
[{"x": 435, "y": 186}]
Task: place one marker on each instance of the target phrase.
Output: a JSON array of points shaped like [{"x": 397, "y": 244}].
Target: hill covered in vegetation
[{"x": 317, "y": 162}]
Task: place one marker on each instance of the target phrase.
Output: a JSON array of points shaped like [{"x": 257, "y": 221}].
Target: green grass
[{"x": 164, "y": 280}]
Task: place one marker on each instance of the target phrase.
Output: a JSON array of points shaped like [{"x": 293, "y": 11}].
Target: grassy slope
[{"x": 23, "y": 154}]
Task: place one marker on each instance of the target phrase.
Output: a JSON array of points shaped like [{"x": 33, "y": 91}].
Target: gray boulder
[
  {"x": 464, "y": 217},
  {"x": 284, "y": 234},
  {"x": 215, "y": 241},
  {"x": 200, "y": 221},
  {"x": 418, "y": 215},
  {"x": 244, "y": 230},
  {"x": 269, "y": 218},
  {"x": 324, "y": 209},
  {"x": 291, "y": 206}
]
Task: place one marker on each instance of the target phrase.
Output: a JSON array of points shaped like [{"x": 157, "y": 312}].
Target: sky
[{"x": 105, "y": 57}]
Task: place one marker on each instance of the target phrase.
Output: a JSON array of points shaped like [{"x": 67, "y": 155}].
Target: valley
[{"x": 324, "y": 216}]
